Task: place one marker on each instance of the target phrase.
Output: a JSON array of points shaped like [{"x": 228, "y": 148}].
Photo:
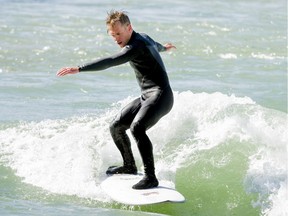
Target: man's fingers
[
  {"x": 60, "y": 73},
  {"x": 63, "y": 72}
]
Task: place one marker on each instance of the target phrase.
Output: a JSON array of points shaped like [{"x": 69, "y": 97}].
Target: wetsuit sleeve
[
  {"x": 160, "y": 47},
  {"x": 122, "y": 57}
]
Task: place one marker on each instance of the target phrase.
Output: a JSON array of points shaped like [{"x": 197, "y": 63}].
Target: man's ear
[{"x": 130, "y": 28}]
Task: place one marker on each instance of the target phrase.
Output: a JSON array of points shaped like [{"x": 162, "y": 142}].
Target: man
[{"x": 156, "y": 98}]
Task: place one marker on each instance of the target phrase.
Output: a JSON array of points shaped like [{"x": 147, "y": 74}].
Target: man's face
[{"x": 120, "y": 33}]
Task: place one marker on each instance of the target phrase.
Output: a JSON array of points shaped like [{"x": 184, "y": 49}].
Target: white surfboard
[{"x": 119, "y": 188}]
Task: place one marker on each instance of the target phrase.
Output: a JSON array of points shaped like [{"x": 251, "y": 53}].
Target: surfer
[{"x": 156, "y": 98}]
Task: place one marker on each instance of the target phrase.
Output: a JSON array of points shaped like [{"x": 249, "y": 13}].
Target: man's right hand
[{"x": 67, "y": 70}]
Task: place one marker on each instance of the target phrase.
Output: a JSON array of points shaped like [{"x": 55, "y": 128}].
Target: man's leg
[
  {"x": 118, "y": 132},
  {"x": 146, "y": 151},
  {"x": 151, "y": 111}
]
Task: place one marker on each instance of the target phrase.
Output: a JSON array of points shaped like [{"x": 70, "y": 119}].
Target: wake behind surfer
[{"x": 142, "y": 113}]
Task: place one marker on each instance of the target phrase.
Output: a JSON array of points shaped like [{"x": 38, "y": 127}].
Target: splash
[{"x": 70, "y": 156}]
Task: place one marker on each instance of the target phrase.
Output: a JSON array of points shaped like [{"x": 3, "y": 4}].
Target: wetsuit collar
[{"x": 133, "y": 35}]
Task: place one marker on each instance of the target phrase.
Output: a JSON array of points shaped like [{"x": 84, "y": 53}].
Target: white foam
[
  {"x": 267, "y": 173},
  {"x": 70, "y": 156},
  {"x": 279, "y": 202},
  {"x": 215, "y": 118},
  {"x": 270, "y": 56},
  {"x": 228, "y": 56},
  {"x": 59, "y": 156},
  {"x": 197, "y": 122}
]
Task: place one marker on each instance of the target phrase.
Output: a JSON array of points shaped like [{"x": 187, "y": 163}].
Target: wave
[{"x": 70, "y": 156}]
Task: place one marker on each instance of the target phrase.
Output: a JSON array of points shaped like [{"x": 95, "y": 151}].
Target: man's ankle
[{"x": 149, "y": 181}]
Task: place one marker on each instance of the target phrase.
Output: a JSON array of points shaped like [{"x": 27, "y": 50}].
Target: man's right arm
[
  {"x": 103, "y": 63},
  {"x": 122, "y": 57}
]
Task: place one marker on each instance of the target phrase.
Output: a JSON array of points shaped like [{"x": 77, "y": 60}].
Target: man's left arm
[{"x": 165, "y": 47}]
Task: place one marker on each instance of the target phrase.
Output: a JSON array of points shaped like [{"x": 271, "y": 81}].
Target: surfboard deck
[{"x": 119, "y": 188}]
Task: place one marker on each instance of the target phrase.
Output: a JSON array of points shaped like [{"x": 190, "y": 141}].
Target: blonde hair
[{"x": 117, "y": 16}]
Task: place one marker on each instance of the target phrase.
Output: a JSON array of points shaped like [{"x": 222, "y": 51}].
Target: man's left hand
[{"x": 169, "y": 46}]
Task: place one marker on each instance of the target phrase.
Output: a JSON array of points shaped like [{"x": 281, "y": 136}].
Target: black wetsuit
[{"x": 156, "y": 97}]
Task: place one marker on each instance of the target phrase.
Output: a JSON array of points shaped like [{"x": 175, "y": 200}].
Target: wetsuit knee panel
[
  {"x": 137, "y": 129},
  {"x": 115, "y": 126}
]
